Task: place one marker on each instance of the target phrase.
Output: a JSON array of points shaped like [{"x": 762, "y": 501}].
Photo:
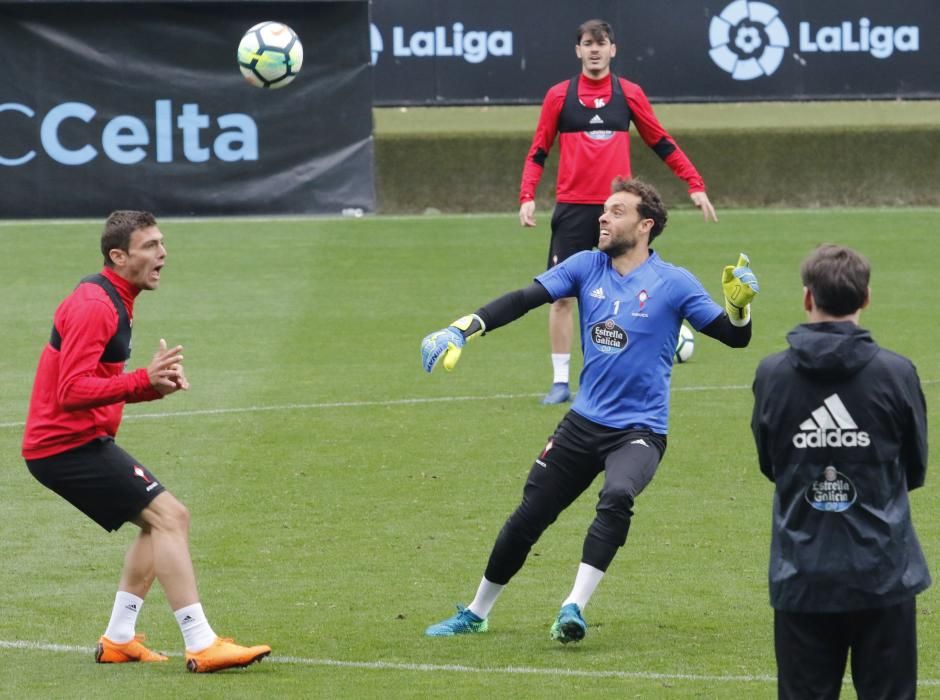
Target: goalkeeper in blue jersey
[{"x": 631, "y": 304}]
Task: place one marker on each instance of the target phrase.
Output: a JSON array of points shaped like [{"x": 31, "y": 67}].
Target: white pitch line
[
  {"x": 425, "y": 668},
  {"x": 459, "y": 668},
  {"x": 521, "y": 670},
  {"x": 384, "y": 402},
  {"x": 345, "y": 404},
  {"x": 306, "y": 407}
]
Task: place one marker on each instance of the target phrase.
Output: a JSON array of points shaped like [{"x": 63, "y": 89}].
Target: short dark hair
[
  {"x": 837, "y": 277},
  {"x": 651, "y": 204},
  {"x": 118, "y": 229},
  {"x": 598, "y": 29}
]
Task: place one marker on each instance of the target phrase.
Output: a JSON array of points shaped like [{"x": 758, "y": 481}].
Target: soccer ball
[
  {"x": 685, "y": 345},
  {"x": 270, "y": 55}
]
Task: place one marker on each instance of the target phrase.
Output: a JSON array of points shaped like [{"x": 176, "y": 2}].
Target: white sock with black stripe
[
  {"x": 197, "y": 633},
  {"x": 124, "y": 614}
]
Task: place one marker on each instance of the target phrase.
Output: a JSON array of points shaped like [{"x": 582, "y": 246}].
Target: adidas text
[{"x": 832, "y": 438}]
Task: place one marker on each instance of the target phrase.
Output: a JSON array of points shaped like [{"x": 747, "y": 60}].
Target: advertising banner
[
  {"x": 467, "y": 52},
  {"x": 142, "y": 106}
]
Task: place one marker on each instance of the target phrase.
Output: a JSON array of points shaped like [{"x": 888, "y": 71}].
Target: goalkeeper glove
[
  {"x": 447, "y": 344},
  {"x": 740, "y": 286}
]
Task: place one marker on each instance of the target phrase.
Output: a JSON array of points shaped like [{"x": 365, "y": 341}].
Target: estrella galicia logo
[
  {"x": 748, "y": 39},
  {"x": 608, "y": 337},
  {"x": 832, "y": 493}
]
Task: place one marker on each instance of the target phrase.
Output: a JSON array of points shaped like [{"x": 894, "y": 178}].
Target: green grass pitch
[
  {"x": 886, "y": 114},
  {"x": 342, "y": 500}
]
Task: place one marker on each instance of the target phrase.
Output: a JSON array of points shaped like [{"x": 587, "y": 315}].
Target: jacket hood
[{"x": 838, "y": 349}]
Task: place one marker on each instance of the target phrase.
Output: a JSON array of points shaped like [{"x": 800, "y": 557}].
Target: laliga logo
[
  {"x": 472, "y": 46},
  {"x": 748, "y": 39}
]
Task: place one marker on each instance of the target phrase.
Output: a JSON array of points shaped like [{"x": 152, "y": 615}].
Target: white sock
[
  {"x": 560, "y": 364},
  {"x": 584, "y": 584},
  {"x": 485, "y": 599},
  {"x": 197, "y": 634},
  {"x": 123, "y": 617}
]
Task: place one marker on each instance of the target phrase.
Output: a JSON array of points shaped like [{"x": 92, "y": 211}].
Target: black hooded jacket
[{"x": 841, "y": 429}]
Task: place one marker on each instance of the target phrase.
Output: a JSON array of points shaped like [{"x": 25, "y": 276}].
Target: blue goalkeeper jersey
[{"x": 629, "y": 328}]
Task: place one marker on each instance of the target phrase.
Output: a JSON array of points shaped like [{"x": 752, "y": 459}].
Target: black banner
[
  {"x": 142, "y": 106},
  {"x": 467, "y": 52}
]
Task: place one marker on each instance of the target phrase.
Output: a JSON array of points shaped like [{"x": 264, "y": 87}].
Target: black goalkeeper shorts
[{"x": 101, "y": 480}]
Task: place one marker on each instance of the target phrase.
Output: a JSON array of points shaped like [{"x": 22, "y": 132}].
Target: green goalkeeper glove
[
  {"x": 447, "y": 344},
  {"x": 740, "y": 286}
]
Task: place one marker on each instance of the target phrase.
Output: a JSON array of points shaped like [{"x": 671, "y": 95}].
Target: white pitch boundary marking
[
  {"x": 306, "y": 407},
  {"x": 459, "y": 668},
  {"x": 344, "y": 404},
  {"x": 385, "y": 402},
  {"x": 517, "y": 670}
]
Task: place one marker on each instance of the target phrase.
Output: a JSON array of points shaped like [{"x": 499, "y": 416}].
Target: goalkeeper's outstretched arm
[
  {"x": 446, "y": 345},
  {"x": 509, "y": 307}
]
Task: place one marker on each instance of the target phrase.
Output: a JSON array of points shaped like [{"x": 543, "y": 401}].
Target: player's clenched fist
[
  {"x": 740, "y": 286},
  {"x": 447, "y": 344}
]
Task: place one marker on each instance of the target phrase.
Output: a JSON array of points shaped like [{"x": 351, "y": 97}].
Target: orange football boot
[
  {"x": 109, "y": 652},
  {"x": 224, "y": 653}
]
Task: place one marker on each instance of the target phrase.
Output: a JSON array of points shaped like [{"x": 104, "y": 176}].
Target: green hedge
[{"x": 479, "y": 172}]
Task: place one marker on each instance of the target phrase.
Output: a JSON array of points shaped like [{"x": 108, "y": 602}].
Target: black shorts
[
  {"x": 812, "y": 650},
  {"x": 575, "y": 227},
  {"x": 101, "y": 480},
  {"x": 633, "y": 452},
  {"x": 576, "y": 453}
]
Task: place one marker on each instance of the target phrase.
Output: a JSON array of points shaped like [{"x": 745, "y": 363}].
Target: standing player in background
[
  {"x": 74, "y": 414},
  {"x": 632, "y": 304},
  {"x": 841, "y": 429},
  {"x": 591, "y": 114}
]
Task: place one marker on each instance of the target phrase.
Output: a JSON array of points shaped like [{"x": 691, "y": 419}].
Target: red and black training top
[
  {"x": 592, "y": 119},
  {"x": 81, "y": 386}
]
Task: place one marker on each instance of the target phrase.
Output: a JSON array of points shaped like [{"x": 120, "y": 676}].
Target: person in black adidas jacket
[{"x": 841, "y": 429}]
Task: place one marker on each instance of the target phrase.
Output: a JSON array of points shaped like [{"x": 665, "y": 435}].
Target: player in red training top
[
  {"x": 591, "y": 114},
  {"x": 74, "y": 414}
]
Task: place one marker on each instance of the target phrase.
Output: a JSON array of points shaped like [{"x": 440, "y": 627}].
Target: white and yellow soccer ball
[
  {"x": 685, "y": 345},
  {"x": 270, "y": 55}
]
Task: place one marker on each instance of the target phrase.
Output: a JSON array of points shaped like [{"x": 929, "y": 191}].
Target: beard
[{"x": 615, "y": 249}]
